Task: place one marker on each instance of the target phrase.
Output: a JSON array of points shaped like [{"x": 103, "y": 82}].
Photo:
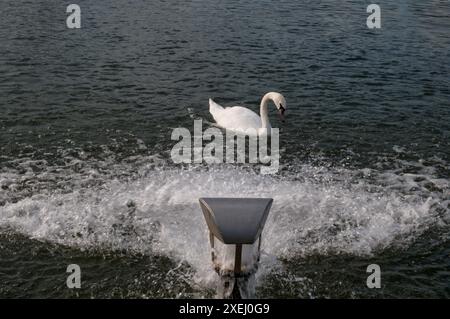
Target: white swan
[{"x": 241, "y": 119}]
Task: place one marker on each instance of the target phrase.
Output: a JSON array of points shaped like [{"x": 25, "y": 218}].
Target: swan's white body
[
  {"x": 244, "y": 120},
  {"x": 236, "y": 117}
]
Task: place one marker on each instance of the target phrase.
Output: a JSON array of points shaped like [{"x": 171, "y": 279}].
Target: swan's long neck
[{"x": 263, "y": 111}]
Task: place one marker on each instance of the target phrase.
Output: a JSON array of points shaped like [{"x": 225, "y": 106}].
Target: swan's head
[{"x": 280, "y": 103}]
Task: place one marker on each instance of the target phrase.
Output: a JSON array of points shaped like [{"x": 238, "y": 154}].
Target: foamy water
[{"x": 153, "y": 208}]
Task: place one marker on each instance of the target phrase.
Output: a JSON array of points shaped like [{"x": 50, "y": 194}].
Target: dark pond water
[{"x": 85, "y": 123}]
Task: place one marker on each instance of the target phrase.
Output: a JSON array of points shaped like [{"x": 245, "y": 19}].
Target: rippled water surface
[{"x": 86, "y": 117}]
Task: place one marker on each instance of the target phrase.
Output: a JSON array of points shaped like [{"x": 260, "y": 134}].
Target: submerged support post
[
  {"x": 237, "y": 259},
  {"x": 235, "y": 224}
]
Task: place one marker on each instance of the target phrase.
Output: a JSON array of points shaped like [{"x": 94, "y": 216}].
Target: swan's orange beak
[{"x": 281, "y": 111}]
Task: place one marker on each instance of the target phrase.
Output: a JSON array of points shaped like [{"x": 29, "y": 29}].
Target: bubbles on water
[{"x": 144, "y": 205}]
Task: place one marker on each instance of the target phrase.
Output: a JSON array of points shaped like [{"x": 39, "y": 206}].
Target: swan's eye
[{"x": 282, "y": 109}]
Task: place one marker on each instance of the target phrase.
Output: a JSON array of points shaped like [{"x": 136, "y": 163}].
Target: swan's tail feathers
[{"x": 214, "y": 108}]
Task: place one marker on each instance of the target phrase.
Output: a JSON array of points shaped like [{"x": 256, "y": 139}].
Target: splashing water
[{"x": 154, "y": 209}]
